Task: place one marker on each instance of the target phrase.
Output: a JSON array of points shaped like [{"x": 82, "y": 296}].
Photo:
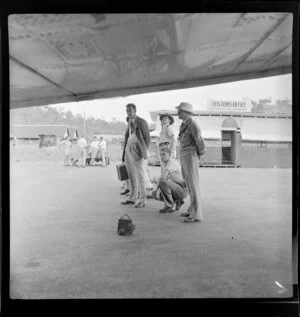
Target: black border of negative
[{"x": 232, "y": 307}]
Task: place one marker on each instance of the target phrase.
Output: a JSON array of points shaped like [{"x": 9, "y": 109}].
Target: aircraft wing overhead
[{"x": 57, "y": 58}]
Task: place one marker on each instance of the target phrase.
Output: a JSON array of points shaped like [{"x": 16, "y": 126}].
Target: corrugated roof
[{"x": 33, "y": 131}]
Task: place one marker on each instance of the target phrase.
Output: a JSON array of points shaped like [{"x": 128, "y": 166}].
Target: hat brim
[
  {"x": 179, "y": 108},
  {"x": 167, "y": 115}
]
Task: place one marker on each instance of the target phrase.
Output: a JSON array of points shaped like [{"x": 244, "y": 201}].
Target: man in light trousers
[
  {"x": 135, "y": 154},
  {"x": 103, "y": 150},
  {"x": 82, "y": 148},
  {"x": 191, "y": 148},
  {"x": 94, "y": 147}
]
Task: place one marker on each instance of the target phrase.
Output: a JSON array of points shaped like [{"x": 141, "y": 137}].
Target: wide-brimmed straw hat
[
  {"x": 185, "y": 106},
  {"x": 167, "y": 115}
]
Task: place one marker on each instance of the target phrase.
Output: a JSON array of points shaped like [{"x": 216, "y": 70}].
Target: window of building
[
  {"x": 278, "y": 145},
  {"x": 210, "y": 143},
  {"x": 249, "y": 144}
]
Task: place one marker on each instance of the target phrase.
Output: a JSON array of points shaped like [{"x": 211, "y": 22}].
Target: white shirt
[
  {"x": 95, "y": 144},
  {"x": 103, "y": 144},
  {"x": 82, "y": 143},
  {"x": 170, "y": 167},
  {"x": 166, "y": 170},
  {"x": 166, "y": 134},
  {"x": 131, "y": 121}
]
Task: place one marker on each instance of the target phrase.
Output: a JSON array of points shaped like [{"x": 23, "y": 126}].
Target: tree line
[
  {"x": 48, "y": 115},
  {"x": 268, "y": 106}
]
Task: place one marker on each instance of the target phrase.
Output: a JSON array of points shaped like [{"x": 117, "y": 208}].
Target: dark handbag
[
  {"x": 122, "y": 172},
  {"x": 125, "y": 226}
]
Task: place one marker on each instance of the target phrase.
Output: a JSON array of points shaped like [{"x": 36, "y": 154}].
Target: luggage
[
  {"x": 125, "y": 226},
  {"x": 122, "y": 172}
]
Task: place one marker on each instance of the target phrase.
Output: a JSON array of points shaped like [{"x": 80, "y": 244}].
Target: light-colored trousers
[
  {"x": 67, "y": 157},
  {"x": 94, "y": 152},
  {"x": 147, "y": 176},
  {"x": 190, "y": 172},
  {"x": 170, "y": 192},
  {"x": 137, "y": 172},
  {"x": 126, "y": 184},
  {"x": 102, "y": 153},
  {"x": 82, "y": 157}
]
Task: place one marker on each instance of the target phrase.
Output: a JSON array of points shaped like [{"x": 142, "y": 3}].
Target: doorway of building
[{"x": 231, "y": 142}]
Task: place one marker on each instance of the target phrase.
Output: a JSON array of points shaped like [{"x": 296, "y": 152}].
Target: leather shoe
[
  {"x": 127, "y": 202},
  {"x": 166, "y": 209},
  {"x": 125, "y": 192},
  {"x": 189, "y": 219},
  {"x": 185, "y": 214},
  {"x": 140, "y": 205}
]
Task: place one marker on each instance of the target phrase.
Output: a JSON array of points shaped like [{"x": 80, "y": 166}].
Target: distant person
[
  {"x": 82, "y": 149},
  {"x": 14, "y": 141},
  {"x": 135, "y": 154},
  {"x": 171, "y": 187},
  {"x": 167, "y": 136},
  {"x": 103, "y": 150},
  {"x": 94, "y": 147},
  {"x": 68, "y": 148},
  {"x": 191, "y": 149}
]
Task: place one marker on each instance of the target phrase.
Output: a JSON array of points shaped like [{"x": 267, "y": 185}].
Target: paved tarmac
[{"x": 64, "y": 242}]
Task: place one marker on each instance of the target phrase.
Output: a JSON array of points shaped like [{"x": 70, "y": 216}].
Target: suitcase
[{"x": 122, "y": 172}]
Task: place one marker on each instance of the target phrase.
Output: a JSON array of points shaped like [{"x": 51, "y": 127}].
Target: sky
[{"x": 277, "y": 87}]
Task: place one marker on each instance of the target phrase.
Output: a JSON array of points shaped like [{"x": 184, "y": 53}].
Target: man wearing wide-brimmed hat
[
  {"x": 191, "y": 148},
  {"x": 167, "y": 137}
]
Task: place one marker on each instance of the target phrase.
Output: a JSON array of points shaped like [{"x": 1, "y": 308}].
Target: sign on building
[{"x": 229, "y": 105}]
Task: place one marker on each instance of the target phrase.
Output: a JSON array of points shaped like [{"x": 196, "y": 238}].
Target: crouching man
[{"x": 171, "y": 188}]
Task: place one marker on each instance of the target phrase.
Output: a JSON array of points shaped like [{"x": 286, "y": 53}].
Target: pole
[{"x": 84, "y": 124}]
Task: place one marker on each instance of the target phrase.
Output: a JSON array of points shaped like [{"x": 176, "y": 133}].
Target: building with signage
[
  {"x": 235, "y": 137},
  {"x": 230, "y": 105}
]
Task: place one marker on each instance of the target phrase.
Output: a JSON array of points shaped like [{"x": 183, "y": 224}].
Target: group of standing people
[
  {"x": 98, "y": 145},
  {"x": 175, "y": 182},
  {"x": 82, "y": 150}
]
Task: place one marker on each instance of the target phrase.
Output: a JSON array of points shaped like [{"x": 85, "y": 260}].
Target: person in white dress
[
  {"x": 167, "y": 138},
  {"x": 68, "y": 146}
]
